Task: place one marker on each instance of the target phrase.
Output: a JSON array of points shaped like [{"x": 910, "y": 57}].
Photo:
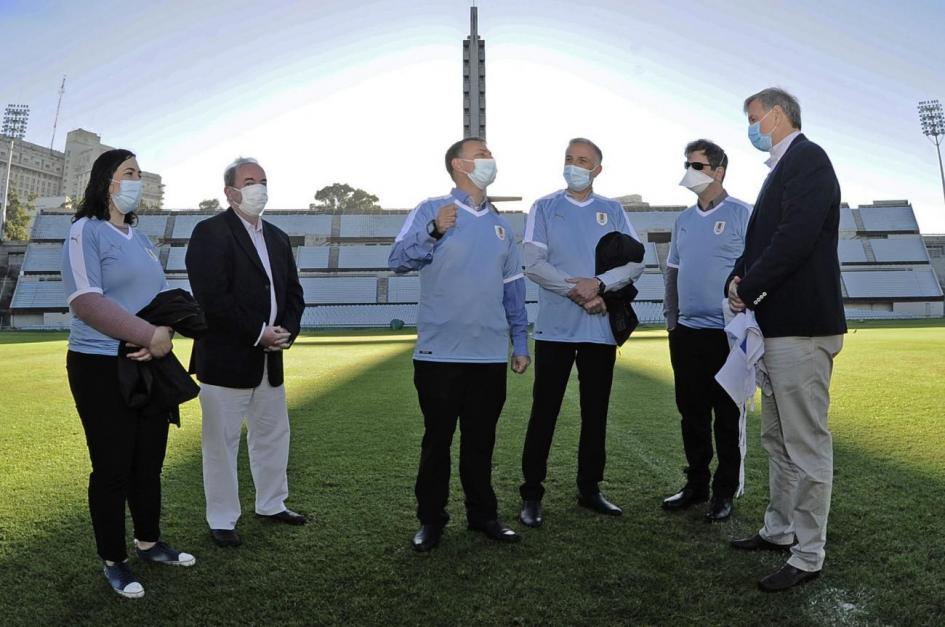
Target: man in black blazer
[
  {"x": 789, "y": 275},
  {"x": 243, "y": 274}
]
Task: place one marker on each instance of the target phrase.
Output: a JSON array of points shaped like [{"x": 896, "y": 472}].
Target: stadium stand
[
  {"x": 42, "y": 259},
  {"x": 175, "y": 260},
  {"x": 313, "y": 258},
  {"x": 361, "y": 257},
  {"x": 887, "y": 271}
]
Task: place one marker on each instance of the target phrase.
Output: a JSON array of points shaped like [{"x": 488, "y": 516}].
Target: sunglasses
[{"x": 696, "y": 165}]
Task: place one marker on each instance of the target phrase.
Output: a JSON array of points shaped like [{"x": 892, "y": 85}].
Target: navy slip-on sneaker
[
  {"x": 161, "y": 553},
  {"x": 123, "y": 581}
]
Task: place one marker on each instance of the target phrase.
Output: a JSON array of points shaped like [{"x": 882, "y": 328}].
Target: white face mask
[
  {"x": 128, "y": 196},
  {"x": 696, "y": 181},
  {"x": 577, "y": 178},
  {"x": 483, "y": 174},
  {"x": 254, "y": 199}
]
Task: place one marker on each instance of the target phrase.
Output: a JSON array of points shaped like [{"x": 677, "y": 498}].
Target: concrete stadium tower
[{"x": 474, "y": 80}]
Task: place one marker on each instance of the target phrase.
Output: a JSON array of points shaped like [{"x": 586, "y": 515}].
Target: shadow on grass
[{"x": 355, "y": 447}]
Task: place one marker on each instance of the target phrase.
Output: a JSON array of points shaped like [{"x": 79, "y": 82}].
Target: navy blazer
[
  {"x": 228, "y": 280},
  {"x": 789, "y": 269}
]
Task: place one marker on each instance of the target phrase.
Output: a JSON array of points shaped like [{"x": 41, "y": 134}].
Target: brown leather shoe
[
  {"x": 786, "y": 577},
  {"x": 757, "y": 543}
]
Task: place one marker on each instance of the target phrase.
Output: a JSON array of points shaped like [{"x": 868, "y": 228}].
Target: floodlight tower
[
  {"x": 15, "y": 118},
  {"x": 933, "y": 126}
]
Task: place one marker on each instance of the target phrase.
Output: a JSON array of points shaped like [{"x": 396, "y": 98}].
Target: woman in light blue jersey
[{"x": 110, "y": 270}]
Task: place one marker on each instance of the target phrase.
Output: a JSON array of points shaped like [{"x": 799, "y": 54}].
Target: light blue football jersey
[
  {"x": 461, "y": 315},
  {"x": 97, "y": 257},
  {"x": 704, "y": 249},
  {"x": 569, "y": 230}
]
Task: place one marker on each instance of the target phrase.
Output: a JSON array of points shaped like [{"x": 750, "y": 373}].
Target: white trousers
[
  {"x": 794, "y": 432},
  {"x": 267, "y": 421}
]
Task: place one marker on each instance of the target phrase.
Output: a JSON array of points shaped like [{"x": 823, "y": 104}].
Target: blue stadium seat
[
  {"x": 43, "y": 259},
  {"x": 313, "y": 258},
  {"x": 363, "y": 257}
]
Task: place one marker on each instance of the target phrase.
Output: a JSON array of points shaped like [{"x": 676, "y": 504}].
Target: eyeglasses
[{"x": 696, "y": 165}]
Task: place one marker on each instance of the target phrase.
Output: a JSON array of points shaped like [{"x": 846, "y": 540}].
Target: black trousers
[
  {"x": 127, "y": 453},
  {"x": 473, "y": 394},
  {"x": 696, "y": 355},
  {"x": 553, "y": 361}
]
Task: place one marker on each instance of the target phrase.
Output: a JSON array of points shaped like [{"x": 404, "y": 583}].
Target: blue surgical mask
[
  {"x": 761, "y": 141},
  {"x": 578, "y": 179},
  {"x": 483, "y": 174},
  {"x": 128, "y": 196}
]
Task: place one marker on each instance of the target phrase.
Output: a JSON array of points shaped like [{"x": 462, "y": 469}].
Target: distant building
[
  {"x": 41, "y": 172},
  {"x": 82, "y": 149},
  {"x": 35, "y": 169}
]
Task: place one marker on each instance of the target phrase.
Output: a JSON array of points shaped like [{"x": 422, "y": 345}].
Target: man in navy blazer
[
  {"x": 243, "y": 274},
  {"x": 789, "y": 275}
]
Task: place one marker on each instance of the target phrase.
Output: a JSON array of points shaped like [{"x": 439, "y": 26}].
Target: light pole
[
  {"x": 933, "y": 127},
  {"x": 15, "y": 118}
]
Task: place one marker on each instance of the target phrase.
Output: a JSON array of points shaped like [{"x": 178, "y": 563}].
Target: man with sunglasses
[{"x": 707, "y": 239}]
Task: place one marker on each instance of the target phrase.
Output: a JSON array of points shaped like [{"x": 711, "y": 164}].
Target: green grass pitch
[{"x": 356, "y": 433}]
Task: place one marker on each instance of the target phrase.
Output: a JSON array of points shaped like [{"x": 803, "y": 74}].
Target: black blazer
[
  {"x": 789, "y": 268},
  {"x": 229, "y": 281}
]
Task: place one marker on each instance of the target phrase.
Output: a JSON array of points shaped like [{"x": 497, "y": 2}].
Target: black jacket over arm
[
  {"x": 789, "y": 269},
  {"x": 228, "y": 280},
  {"x": 614, "y": 250},
  {"x": 160, "y": 386}
]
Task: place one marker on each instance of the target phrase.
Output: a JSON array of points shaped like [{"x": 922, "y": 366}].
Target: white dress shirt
[
  {"x": 778, "y": 150},
  {"x": 255, "y": 232}
]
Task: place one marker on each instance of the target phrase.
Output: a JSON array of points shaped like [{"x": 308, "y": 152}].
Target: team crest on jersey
[
  {"x": 500, "y": 231},
  {"x": 719, "y": 227},
  {"x": 602, "y": 218}
]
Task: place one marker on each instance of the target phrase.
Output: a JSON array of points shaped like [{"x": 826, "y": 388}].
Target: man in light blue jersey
[
  {"x": 561, "y": 237},
  {"x": 472, "y": 300},
  {"x": 707, "y": 239}
]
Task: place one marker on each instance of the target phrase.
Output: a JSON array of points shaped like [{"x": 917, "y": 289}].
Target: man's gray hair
[
  {"x": 229, "y": 175},
  {"x": 590, "y": 144},
  {"x": 777, "y": 96}
]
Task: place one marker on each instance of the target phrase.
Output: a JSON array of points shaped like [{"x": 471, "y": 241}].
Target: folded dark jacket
[
  {"x": 614, "y": 250},
  {"x": 160, "y": 386}
]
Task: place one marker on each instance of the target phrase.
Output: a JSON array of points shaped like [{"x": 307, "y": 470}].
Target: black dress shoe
[
  {"x": 786, "y": 577},
  {"x": 684, "y": 498},
  {"x": 530, "y": 516},
  {"x": 427, "y": 538},
  {"x": 599, "y": 504},
  {"x": 719, "y": 509},
  {"x": 286, "y": 516},
  {"x": 757, "y": 543},
  {"x": 494, "y": 530},
  {"x": 226, "y": 537}
]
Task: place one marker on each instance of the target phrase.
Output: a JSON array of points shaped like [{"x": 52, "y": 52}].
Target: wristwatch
[
  {"x": 431, "y": 230},
  {"x": 600, "y": 290}
]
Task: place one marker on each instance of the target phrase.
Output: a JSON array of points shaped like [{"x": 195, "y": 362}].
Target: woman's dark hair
[{"x": 96, "y": 201}]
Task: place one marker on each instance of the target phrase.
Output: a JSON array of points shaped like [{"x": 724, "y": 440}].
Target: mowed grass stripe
[{"x": 356, "y": 432}]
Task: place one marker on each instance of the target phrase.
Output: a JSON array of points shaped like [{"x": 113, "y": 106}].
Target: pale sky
[{"x": 370, "y": 93}]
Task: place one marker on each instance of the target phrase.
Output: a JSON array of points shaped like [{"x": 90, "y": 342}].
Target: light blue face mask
[
  {"x": 761, "y": 141},
  {"x": 128, "y": 196},
  {"x": 578, "y": 179}
]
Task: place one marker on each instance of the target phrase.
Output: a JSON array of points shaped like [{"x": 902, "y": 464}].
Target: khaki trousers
[{"x": 800, "y": 447}]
